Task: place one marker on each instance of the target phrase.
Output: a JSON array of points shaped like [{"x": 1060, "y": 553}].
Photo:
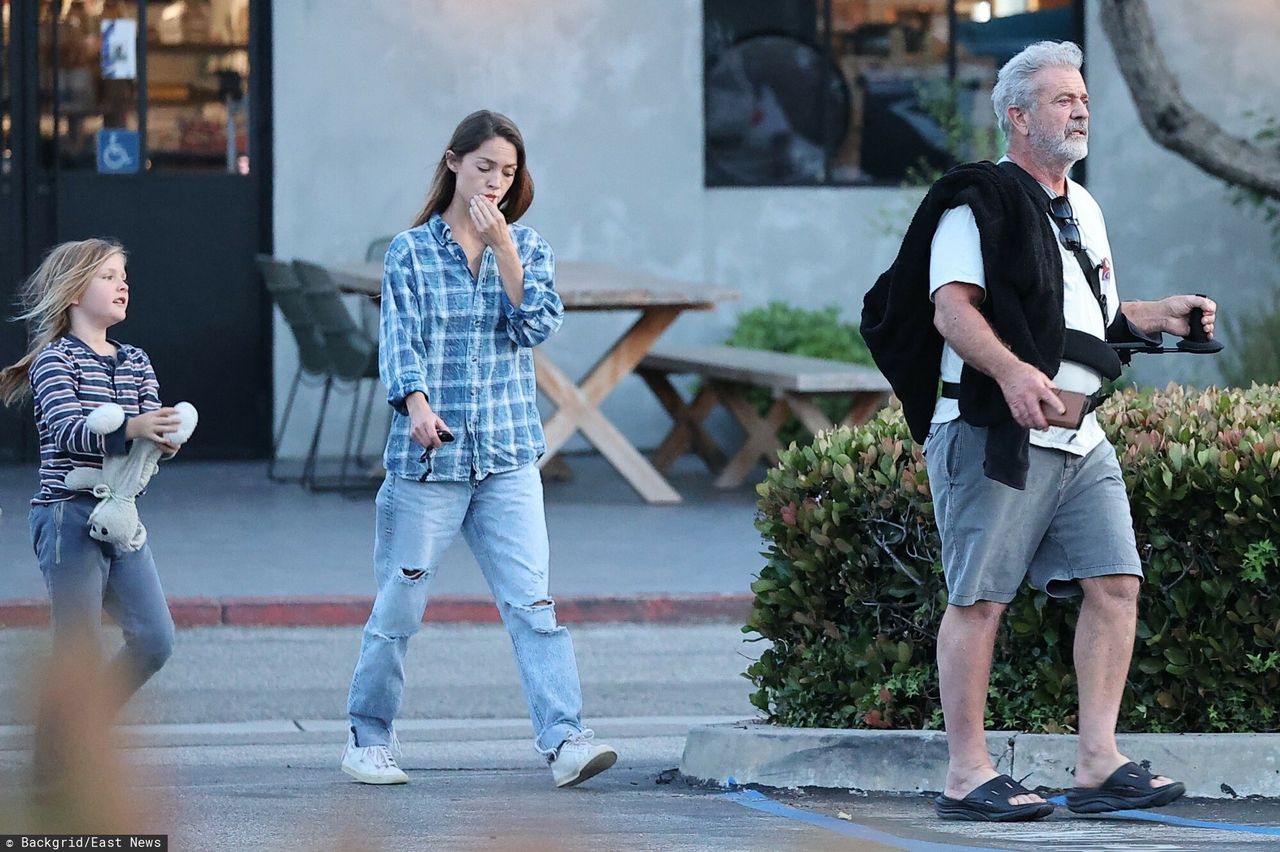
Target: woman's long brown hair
[{"x": 471, "y": 133}]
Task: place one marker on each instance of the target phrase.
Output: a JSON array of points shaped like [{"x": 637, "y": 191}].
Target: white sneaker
[
  {"x": 578, "y": 759},
  {"x": 371, "y": 764}
]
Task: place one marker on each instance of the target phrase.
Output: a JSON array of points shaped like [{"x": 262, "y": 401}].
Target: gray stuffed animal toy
[{"x": 115, "y": 519}]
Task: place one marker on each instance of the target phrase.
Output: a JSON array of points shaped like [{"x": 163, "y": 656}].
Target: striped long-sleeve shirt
[
  {"x": 459, "y": 340},
  {"x": 70, "y": 380}
]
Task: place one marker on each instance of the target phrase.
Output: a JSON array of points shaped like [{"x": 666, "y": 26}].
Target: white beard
[
  {"x": 1064, "y": 149},
  {"x": 1075, "y": 148}
]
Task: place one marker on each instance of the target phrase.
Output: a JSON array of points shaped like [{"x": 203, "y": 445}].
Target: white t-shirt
[{"x": 957, "y": 256}]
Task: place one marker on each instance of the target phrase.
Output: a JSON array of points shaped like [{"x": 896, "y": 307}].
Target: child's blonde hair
[{"x": 46, "y": 303}]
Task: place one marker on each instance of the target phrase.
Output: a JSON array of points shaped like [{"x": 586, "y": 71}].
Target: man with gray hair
[{"x": 1004, "y": 292}]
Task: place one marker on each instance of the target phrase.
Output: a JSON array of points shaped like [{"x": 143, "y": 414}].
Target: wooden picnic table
[
  {"x": 795, "y": 382},
  {"x": 594, "y": 287}
]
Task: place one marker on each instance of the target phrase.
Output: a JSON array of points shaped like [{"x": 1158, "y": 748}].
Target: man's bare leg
[
  {"x": 966, "y": 638},
  {"x": 1103, "y": 648}
]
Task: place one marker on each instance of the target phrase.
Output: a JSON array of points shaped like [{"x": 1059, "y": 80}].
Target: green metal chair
[
  {"x": 369, "y": 311},
  {"x": 313, "y": 356},
  {"x": 377, "y": 249},
  {"x": 353, "y": 359}
]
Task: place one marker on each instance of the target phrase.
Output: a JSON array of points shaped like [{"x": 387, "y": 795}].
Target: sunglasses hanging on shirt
[
  {"x": 1069, "y": 235},
  {"x": 1068, "y": 224}
]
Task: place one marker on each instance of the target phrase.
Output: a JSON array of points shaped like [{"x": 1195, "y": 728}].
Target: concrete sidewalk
[
  {"x": 907, "y": 761},
  {"x": 235, "y": 744},
  {"x": 234, "y": 548}
]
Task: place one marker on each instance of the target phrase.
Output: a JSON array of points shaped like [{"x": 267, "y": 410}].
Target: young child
[
  {"x": 465, "y": 296},
  {"x": 77, "y": 294}
]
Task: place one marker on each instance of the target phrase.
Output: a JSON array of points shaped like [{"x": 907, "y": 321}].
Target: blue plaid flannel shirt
[{"x": 463, "y": 343}]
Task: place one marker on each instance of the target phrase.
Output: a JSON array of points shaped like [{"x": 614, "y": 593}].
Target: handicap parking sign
[{"x": 118, "y": 151}]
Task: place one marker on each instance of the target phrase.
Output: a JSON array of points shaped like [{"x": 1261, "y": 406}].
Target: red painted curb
[
  {"x": 24, "y": 613},
  {"x": 187, "y": 612},
  {"x": 351, "y": 610},
  {"x": 196, "y": 612},
  {"x": 296, "y": 612}
]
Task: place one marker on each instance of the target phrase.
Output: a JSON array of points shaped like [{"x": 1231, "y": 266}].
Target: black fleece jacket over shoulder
[{"x": 1023, "y": 303}]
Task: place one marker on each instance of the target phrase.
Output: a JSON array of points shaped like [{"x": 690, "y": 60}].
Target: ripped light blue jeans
[{"x": 502, "y": 519}]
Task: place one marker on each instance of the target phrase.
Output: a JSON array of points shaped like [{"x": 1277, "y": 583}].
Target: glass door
[
  {"x": 25, "y": 199},
  {"x": 197, "y": 74},
  {"x": 147, "y": 121}
]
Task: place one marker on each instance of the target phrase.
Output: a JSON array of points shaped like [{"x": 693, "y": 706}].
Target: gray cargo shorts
[{"x": 1071, "y": 522}]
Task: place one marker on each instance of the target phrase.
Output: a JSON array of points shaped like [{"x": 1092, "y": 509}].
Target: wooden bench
[{"x": 795, "y": 381}]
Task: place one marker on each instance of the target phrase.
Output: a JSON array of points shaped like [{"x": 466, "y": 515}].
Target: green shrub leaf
[{"x": 852, "y": 591}]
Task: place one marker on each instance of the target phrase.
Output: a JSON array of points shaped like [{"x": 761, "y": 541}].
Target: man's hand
[
  {"x": 1175, "y": 311},
  {"x": 490, "y": 222},
  {"x": 957, "y": 318},
  {"x": 426, "y": 423},
  {"x": 1024, "y": 388},
  {"x": 1170, "y": 315}
]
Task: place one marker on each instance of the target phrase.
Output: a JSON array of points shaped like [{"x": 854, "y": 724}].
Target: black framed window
[
  {"x": 165, "y": 80},
  {"x": 6, "y": 93},
  {"x": 858, "y": 92},
  {"x": 197, "y": 79}
]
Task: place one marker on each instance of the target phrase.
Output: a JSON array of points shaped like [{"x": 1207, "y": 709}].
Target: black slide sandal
[
  {"x": 1128, "y": 788},
  {"x": 990, "y": 803}
]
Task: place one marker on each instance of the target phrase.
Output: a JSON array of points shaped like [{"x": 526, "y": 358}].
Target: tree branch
[{"x": 1172, "y": 122}]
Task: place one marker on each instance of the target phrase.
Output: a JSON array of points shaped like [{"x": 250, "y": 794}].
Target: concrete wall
[{"x": 609, "y": 96}]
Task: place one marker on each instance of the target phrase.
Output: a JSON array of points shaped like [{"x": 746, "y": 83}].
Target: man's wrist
[
  {"x": 1009, "y": 367},
  {"x": 1144, "y": 316}
]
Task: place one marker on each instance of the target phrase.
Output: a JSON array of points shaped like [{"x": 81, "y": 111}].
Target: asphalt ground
[{"x": 236, "y": 745}]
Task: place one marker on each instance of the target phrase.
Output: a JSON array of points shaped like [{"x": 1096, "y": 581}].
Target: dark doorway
[{"x": 149, "y": 122}]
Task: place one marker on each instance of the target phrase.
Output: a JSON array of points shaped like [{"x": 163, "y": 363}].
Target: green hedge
[{"x": 853, "y": 590}]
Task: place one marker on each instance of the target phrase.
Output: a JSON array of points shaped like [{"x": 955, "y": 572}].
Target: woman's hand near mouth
[{"x": 490, "y": 223}]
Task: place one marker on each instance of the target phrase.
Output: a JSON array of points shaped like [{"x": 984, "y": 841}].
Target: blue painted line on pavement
[
  {"x": 1181, "y": 822},
  {"x": 760, "y": 802}
]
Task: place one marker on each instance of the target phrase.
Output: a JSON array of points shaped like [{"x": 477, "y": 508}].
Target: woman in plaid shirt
[{"x": 466, "y": 294}]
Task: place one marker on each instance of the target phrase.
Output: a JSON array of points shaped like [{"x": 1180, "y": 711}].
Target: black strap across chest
[{"x": 1041, "y": 199}]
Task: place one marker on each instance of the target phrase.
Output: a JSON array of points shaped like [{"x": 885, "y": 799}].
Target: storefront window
[
  {"x": 189, "y": 57},
  {"x": 861, "y": 92},
  {"x": 77, "y": 99},
  {"x": 6, "y": 94},
  {"x": 197, "y": 84}
]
